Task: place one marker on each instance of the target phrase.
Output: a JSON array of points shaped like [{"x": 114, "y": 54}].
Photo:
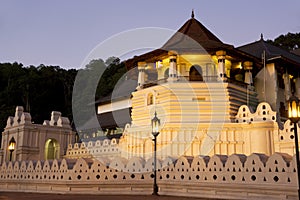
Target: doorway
[{"x": 51, "y": 149}]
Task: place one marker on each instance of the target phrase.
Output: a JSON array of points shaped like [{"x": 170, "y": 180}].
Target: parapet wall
[
  {"x": 235, "y": 177},
  {"x": 251, "y": 132},
  {"x": 24, "y": 118},
  {"x": 94, "y": 149}
]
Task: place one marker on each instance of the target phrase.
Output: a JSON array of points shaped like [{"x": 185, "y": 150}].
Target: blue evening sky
[{"x": 63, "y": 32}]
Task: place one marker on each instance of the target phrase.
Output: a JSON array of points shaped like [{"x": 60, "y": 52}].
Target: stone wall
[
  {"x": 253, "y": 131},
  {"x": 32, "y": 140},
  {"x": 94, "y": 149},
  {"x": 235, "y": 177}
]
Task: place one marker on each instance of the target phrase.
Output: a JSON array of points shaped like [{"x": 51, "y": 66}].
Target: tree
[
  {"x": 39, "y": 90},
  {"x": 43, "y": 89},
  {"x": 289, "y": 41},
  {"x": 97, "y": 80}
]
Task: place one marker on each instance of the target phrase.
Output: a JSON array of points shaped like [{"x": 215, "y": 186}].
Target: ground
[{"x": 37, "y": 196}]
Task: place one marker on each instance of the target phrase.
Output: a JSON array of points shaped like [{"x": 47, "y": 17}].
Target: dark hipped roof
[
  {"x": 296, "y": 51},
  {"x": 272, "y": 52},
  {"x": 121, "y": 91},
  {"x": 202, "y": 41},
  {"x": 118, "y": 118},
  {"x": 195, "y": 30}
]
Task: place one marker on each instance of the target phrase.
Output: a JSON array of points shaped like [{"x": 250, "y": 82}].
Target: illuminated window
[
  {"x": 150, "y": 99},
  {"x": 196, "y": 73}
]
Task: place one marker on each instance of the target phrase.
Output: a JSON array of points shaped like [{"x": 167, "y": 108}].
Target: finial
[
  {"x": 261, "y": 36},
  {"x": 192, "y": 13}
]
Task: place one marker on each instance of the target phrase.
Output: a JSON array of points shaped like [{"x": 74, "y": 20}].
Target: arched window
[
  {"x": 166, "y": 74},
  {"x": 195, "y": 73},
  {"x": 150, "y": 99},
  {"x": 51, "y": 149}
]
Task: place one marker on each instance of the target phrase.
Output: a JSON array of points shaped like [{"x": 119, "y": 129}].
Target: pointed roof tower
[
  {"x": 196, "y": 31},
  {"x": 192, "y": 16},
  {"x": 192, "y": 37}
]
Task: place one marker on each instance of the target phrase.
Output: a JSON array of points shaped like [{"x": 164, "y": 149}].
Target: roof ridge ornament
[
  {"x": 261, "y": 36},
  {"x": 193, "y": 15}
]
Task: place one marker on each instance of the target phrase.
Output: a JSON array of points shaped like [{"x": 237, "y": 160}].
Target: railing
[
  {"x": 153, "y": 83},
  {"x": 239, "y": 83},
  {"x": 98, "y": 133},
  {"x": 208, "y": 79}
]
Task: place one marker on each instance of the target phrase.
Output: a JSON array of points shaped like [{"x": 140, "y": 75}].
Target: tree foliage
[
  {"x": 289, "y": 41},
  {"x": 96, "y": 81},
  {"x": 39, "y": 90},
  {"x": 43, "y": 89}
]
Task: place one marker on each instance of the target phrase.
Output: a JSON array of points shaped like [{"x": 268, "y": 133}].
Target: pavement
[{"x": 40, "y": 196}]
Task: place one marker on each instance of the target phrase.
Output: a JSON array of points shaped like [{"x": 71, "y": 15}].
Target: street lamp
[
  {"x": 155, "y": 122},
  {"x": 294, "y": 116},
  {"x": 11, "y": 147}
]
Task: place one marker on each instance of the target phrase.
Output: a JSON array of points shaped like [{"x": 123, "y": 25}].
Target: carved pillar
[
  {"x": 287, "y": 85},
  {"x": 248, "y": 74},
  {"x": 221, "y": 64},
  {"x": 141, "y": 78},
  {"x": 173, "y": 67}
]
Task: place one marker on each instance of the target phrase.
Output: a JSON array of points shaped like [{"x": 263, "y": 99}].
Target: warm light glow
[
  {"x": 12, "y": 144},
  {"x": 155, "y": 127},
  {"x": 155, "y": 124},
  {"x": 299, "y": 109},
  {"x": 159, "y": 64},
  {"x": 294, "y": 109}
]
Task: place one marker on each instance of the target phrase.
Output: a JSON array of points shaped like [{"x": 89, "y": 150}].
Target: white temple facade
[{"x": 211, "y": 99}]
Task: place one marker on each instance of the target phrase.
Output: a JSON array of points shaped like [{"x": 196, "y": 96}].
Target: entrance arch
[
  {"x": 51, "y": 149},
  {"x": 196, "y": 73}
]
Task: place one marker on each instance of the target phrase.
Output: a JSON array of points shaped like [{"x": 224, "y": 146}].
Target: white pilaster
[
  {"x": 287, "y": 86},
  {"x": 248, "y": 74},
  {"x": 173, "y": 68},
  {"x": 221, "y": 64},
  {"x": 141, "y": 77}
]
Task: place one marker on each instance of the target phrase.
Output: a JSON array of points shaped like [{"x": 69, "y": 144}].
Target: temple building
[
  {"x": 279, "y": 77},
  {"x": 211, "y": 98}
]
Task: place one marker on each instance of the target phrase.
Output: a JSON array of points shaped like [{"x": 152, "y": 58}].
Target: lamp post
[
  {"x": 294, "y": 116},
  {"x": 11, "y": 147},
  {"x": 155, "y": 122}
]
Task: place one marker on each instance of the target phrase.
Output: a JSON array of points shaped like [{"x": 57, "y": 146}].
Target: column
[
  {"x": 221, "y": 64},
  {"x": 287, "y": 86},
  {"x": 248, "y": 75},
  {"x": 141, "y": 77},
  {"x": 173, "y": 67}
]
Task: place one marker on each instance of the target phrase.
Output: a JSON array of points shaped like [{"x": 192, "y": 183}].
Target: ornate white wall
[
  {"x": 252, "y": 132},
  {"x": 257, "y": 176},
  {"x": 98, "y": 149},
  {"x": 31, "y": 139}
]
